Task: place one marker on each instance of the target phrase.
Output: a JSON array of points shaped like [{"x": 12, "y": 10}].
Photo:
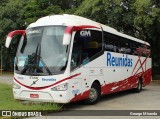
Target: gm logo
[{"x": 85, "y": 33}]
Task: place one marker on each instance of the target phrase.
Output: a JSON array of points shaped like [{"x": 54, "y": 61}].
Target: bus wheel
[
  {"x": 139, "y": 86},
  {"x": 95, "y": 94}
]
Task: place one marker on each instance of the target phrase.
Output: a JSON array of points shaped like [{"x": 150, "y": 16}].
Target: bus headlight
[
  {"x": 61, "y": 87},
  {"x": 16, "y": 86}
]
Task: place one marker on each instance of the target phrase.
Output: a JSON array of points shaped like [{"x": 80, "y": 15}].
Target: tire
[
  {"x": 94, "y": 95},
  {"x": 138, "y": 89}
]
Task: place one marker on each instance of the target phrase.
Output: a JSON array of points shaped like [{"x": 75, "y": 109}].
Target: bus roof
[{"x": 73, "y": 20}]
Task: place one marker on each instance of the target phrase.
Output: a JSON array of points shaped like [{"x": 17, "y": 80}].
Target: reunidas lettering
[
  {"x": 123, "y": 61},
  {"x": 48, "y": 79}
]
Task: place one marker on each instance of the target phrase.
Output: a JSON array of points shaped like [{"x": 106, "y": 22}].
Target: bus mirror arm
[
  {"x": 11, "y": 35},
  {"x": 67, "y": 35}
]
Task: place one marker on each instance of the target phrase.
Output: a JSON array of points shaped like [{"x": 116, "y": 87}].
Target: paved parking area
[
  {"x": 148, "y": 99},
  {"x": 6, "y": 79}
]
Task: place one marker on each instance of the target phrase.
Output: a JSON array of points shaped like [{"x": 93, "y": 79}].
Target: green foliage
[
  {"x": 147, "y": 19},
  {"x": 36, "y": 9},
  {"x": 114, "y": 13},
  {"x": 10, "y": 19},
  {"x": 138, "y": 18}
]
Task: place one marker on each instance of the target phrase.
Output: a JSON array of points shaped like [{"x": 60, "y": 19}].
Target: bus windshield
[{"x": 41, "y": 51}]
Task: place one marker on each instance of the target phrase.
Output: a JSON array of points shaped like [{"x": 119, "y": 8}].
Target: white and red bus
[{"x": 66, "y": 58}]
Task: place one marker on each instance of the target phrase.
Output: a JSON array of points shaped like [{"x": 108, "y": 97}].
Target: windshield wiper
[
  {"x": 34, "y": 61},
  {"x": 41, "y": 60}
]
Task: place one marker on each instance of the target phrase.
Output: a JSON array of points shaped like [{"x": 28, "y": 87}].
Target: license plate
[{"x": 34, "y": 95}]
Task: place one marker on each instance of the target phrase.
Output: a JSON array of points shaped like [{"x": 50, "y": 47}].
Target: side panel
[
  {"x": 123, "y": 76},
  {"x": 79, "y": 86},
  {"x": 115, "y": 78},
  {"x": 86, "y": 44}
]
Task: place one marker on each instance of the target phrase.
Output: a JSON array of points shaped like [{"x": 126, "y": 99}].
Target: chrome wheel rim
[
  {"x": 93, "y": 94},
  {"x": 139, "y": 85}
]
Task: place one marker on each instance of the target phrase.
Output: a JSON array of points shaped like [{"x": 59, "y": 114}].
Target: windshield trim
[{"x": 44, "y": 73}]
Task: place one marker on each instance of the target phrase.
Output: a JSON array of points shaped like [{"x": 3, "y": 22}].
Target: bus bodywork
[{"x": 66, "y": 58}]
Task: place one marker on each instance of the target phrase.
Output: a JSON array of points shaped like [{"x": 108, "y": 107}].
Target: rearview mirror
[
  {"x": 11, "y": 35},
  {"x": 66, "y": 39},
  {"x": 67, "y": 35}
]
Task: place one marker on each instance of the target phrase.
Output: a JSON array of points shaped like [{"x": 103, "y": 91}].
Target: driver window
[{"x": 87, "y": 43}]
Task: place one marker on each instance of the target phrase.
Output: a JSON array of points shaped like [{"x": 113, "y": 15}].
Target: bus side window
[
  {"x": 127, "y": 48},
  {"x": 116, "y": 46},
  {"x": 111, "y": 42},
  {"x": 122, "y": 46},
  {"x": 93, "y": 43},
  {"x": 133, "y": 48},
  {"x": 108, "y": 45},
  {"x": 87, "y": 43},
  {"x": 76, "y": 53},
  {"x": 146, "y": 50}
]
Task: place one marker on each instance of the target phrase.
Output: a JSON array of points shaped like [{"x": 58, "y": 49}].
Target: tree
[
  {"x": 10, "y": 19},
  {"x": 18, "y": 14},
  {"x": 138, "y": 18},
  {"x": 147, "y": 20},
  {"x": 115, "y": 13},
  {"x": 39, "y": 8}
]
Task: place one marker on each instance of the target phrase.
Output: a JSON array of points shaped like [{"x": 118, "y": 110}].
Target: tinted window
[
  {"x": 87, "y": 44},
  {"x": 111, "y": 42},
  {"x": 119, "y": 44}
]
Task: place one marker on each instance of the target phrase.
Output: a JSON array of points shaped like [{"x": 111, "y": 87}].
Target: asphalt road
[
  {"x": 7, "y": 79},
  {"x": 148, "y": 99}
]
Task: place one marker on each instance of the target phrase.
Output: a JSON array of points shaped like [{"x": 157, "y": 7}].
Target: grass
[{"x": 7, "y": 102}]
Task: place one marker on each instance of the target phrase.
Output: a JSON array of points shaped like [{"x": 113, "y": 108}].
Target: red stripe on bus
[
  {"x": 11, "y": 34},
  {"x": 128, "y": 83},
  {"x": 68, "y": 30},
  {"x": 141, "y": 64},
  {"x": 40, "y": 88},
  {"x": 77, "y": 28}
]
